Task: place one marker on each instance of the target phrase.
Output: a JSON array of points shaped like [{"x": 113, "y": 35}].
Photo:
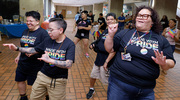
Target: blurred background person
[
  {"x": 102, "y": 23},
  {"x": 164, "y": 22},
  {"x": 121, "y": 21},
  {"x": 171, "y": 33}
]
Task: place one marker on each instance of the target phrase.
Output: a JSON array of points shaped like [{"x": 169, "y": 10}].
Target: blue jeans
[{"x": 118, "y": 90}]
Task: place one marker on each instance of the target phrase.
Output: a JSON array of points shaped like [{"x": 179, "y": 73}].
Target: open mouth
[{"x": 141, "y": 21}]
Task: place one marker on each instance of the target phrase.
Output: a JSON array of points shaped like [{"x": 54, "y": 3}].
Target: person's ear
[
  {"x": 61, "y": 30},
  {"x": 38, "y": 22}
]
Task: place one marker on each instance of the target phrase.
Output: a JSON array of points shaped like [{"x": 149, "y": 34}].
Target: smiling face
[
  {"x": 172, "y": 24},
  {"x": 143, "y": 20},
  {"x": 110, "y": 20},
  {"x": 32, "y": 23}
]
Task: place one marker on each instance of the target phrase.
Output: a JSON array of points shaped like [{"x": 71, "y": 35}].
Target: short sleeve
[
  {"x": 117, "y": 39},
  {"x": 41, "y": 47},
  {"x": 77, "y": 21},
  {"x": 167, "y": 50},
  {"x": 70, "y": 55}
]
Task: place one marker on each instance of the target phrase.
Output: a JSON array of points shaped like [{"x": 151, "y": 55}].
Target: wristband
[{"x": 17, "y": 49}]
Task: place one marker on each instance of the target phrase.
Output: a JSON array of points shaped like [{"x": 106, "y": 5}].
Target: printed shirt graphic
[
  {"x": 66, "y": 52},
  {"x": 83, "y": 23},
  {"x": 28, "y": 41},
  {"x": 30, "y": 64},
  {"x": 102, "y": 20},
  {"x": 141, "y": 71}
]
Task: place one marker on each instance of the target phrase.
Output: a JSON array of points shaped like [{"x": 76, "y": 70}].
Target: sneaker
[
  {"x": 90, "y": 94},
  {"x": 24, "y": 98},
  {"x": 87, "y": 55},
  {"x": 47, "y": 97}
]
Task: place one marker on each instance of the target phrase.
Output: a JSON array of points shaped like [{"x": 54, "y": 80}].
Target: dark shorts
[
  {"x": 82, "y": 35},
  {"x": 23, "y": 77}
]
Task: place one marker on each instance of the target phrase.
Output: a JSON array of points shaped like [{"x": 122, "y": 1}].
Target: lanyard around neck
[{"x": 134, "y": 40}]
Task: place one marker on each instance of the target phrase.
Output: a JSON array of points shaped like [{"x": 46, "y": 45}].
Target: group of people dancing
[{"x": 132, "y": 56}]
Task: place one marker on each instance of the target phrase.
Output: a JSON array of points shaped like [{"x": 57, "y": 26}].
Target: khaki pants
[
  {"x": 98, "y": 72},
  {"x": 42, "y": 86}
]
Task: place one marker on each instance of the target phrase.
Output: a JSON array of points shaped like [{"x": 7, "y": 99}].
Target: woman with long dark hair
[{"x": 138, "y": 56}]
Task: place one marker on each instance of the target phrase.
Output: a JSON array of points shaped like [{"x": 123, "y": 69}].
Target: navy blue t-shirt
[
  {"x": 83, "y": 23},
  {"x": 59, "y": 51},
  {"x": 141, "y": 71},
  {"x": 102, "y": 54},
  {"x": 30, "y": 65},
  {"x": 121, "y": 24}
]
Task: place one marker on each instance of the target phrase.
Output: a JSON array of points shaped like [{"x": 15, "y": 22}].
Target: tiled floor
[{"x": 168, "y": 86}]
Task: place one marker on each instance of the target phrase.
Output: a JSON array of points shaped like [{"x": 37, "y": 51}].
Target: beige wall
[
  {"x": 28, "y": 5},
  {"x": 88, "y": 8},
  {"x": 73, "y": 10},
  {"x": 166, "y": 7}
]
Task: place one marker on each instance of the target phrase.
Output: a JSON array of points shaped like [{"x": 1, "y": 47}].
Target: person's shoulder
[
  {"x": 25, "y": 31},
  {"x": 69, "y": 41},
  {"x": 42, "y": 29}
]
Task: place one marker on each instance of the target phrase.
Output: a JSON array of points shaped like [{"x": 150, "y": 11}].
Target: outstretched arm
[
  {"x": 61, "y": 64},
  {"x": 21, "y": 49}
]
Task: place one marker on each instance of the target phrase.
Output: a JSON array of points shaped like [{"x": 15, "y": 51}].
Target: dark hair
[
  {"x": 173, "y": 20},
  {"x": 156, "y": 27},
  {"x": 85, "y": 12},
  {"x": 60, "y": 23},
  {"x": 34, "y": 14},
  {"x": 165, "y": 19},
  {"x": 77, "y": 12},
  {"x": 111, "y": 14},
  {"x": 101, "y": 14}
]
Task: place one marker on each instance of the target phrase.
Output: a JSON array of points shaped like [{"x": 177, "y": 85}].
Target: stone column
[
  {"x": 116, "y": 6},
  {"x": 97, "y": 8}
]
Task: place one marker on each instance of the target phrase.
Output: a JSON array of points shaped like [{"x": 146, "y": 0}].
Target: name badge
[
  {"x": 82, "y": 34},
  {"x": 126, "y": 56}
]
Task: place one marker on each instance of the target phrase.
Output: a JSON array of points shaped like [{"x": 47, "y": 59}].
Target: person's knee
[
  {"x": 86, "y": 43},
  {"x": 21, "y": 83}
]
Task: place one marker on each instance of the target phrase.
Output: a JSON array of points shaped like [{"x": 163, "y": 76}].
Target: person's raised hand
[
  {"x": 45, "y": 57},
  {"x": 112, "y": 29},
  {"x": 160, "y": 58}
]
